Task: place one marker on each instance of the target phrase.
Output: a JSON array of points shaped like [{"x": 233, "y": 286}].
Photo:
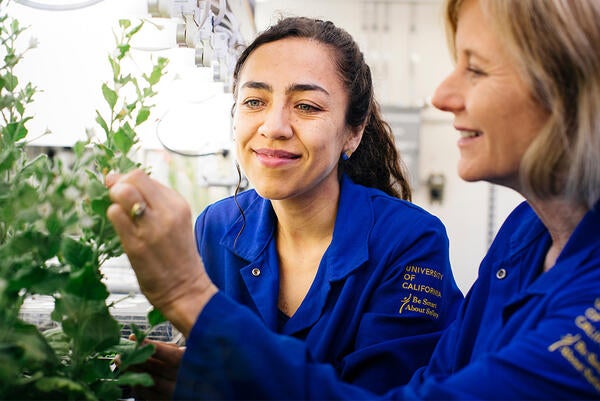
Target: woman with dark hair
[
  {"x": 375, "y": 163},
  {"x": 525, "y": 96},
  {"x": 326, "y": 247}
]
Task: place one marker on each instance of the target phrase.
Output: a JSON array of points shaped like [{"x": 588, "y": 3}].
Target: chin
[
  {"x": 271, "y": 193},
  {"x": 469, "y": 176}
]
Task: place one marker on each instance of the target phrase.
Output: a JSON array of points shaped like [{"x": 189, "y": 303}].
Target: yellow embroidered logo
[
  {"x": 574, "y": 348},
  {"x": 422, "y": 298}
]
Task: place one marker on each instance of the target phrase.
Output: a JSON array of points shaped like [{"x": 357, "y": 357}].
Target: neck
[
  {"x": 560, "y": 218},
  {"x": 308, "y": 219},
  {"x": 304, "y": 231}
]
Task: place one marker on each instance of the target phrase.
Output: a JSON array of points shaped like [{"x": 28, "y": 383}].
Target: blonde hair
[{"x": 556, "y": 45}]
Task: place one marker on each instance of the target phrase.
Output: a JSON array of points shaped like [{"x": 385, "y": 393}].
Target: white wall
[{"x": 408, "y": 59}]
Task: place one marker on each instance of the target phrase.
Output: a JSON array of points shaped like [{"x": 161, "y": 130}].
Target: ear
[{"x": 356, "y": 134}]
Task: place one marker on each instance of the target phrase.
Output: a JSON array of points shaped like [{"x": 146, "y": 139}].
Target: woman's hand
[
  {"x": 154, "y": 224},
  {"x": 162, "y": 366}
]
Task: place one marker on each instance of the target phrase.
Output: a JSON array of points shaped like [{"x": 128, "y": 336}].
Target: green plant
[{"x": 54, "y": 236}]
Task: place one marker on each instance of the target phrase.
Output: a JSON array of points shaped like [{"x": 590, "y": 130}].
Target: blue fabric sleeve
[{"x": 231, "y": 355}]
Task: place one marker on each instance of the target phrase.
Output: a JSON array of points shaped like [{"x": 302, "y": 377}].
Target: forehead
[
  {"x": 474, "y": 32},
  {"x": 297, "y": 60}
]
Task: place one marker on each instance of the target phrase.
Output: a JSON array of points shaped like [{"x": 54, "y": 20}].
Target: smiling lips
[
  {"x": 274, "y": 157},
  {"x": 469, "y": 134}
]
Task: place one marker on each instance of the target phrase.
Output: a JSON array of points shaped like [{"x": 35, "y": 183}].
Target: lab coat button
[
  {"x": 501, "y": 274},
  {"x": 256, "y": 272}
]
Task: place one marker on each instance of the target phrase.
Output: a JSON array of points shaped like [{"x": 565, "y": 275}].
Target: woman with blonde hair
[{"x": 525, "y": 95}]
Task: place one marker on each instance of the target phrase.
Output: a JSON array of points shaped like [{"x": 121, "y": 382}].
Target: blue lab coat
[
  {"x": 383, "y": 293},
  {"x": 520, "y": 334}
]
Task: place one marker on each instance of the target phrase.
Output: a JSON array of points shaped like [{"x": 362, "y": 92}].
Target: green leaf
[
  {"x": 125, "y": 164},
  {"x": 108, "y": 390},
  {"x": 8, "y": 156},
  {"x": 40, "y": 166},
  {"x": 135, "y": 379},
  {"x": 115, "y": 66},
  {"x": 94, "y": 368},
  {"x": 139, "y": 334},
  {"x": 123, "y": 50},
  {"x": 96, "y": 189},
  {"x": 30, "y": 241},
  {"x": 20, "y": 107},
  {"x": 27, "y": 195},
  {"x": 54, "y": 224},
  {"x": 5, "y": 189},
  {"x": 10, "y": 81},
  {"x": 124, "y": 23},
  {"x": 62, "y": 385},
  {"x": 110, "y": 96},
  {"x": 100, "y": 205},
  {"x": 125, "y": 345},
  {"x": 155, "y": 317},
  {"x": 36, "y": 351},
  {"x": 136, "y": 356},
  {"x": 11, "y": 60},
  {"x": 142, "y": 116},
  {"x": 86, "y": 283},
  {"x": 14, "y": 27},
  {"x": 156, "y": 75},
  {"x": 97, "y": 332},
  {"x": 135, "y": 29},
  {"x": 100, "y": 120},
  {"x": 76, "y": 253},
  {"x": 15, "y": 131},
  {"x": 10, "y": 350},
  {"x": 131, "y": 106},
  {"x": 123, "y": 140},
  {"x": 39, "y": 280},
  {"x": 58, "y": 340},
  {"x": 79, "y": 148},
  {"x": 70, "y": 309}
]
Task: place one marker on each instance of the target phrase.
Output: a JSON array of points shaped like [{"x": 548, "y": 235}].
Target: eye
[
  {"x": 307, "y": 108},
  {"x": 252, "y": 103},
  {"x": 475, "y": 72}
]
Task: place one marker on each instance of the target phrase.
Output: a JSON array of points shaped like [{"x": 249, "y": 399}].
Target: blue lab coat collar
[
  {"x": 256, "y": 245},
  {"x": 348, "y": 233},
  {"x": 569, "y": 262},
  {"x": 570, "y": 259}
]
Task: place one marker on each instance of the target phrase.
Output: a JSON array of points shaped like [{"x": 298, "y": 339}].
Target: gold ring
[{"x": 137, "y": 210}]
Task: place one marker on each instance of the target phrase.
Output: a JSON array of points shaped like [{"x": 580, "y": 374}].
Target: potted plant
[{"x": 54, "y": 237}]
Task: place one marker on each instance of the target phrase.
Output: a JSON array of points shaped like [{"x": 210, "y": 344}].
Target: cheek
[
  {"x": 240, "y": 138},
  {"x": 236, "y": 134},
  {"x": 240, "y": 146},
  {"x": 241, "y": 129},
  {"x": 327, "y": 141},
  {"x": 531, "y": 120}
]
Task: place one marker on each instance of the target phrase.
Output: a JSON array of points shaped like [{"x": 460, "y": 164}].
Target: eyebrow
[
  {"x": 470, "y": 53},
  {"x": 288, "y": 90}
]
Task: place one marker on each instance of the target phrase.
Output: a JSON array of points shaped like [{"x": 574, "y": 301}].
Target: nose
[
  {"x": 448, "y": 95},
  {"x": 277, "y": 124}
]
